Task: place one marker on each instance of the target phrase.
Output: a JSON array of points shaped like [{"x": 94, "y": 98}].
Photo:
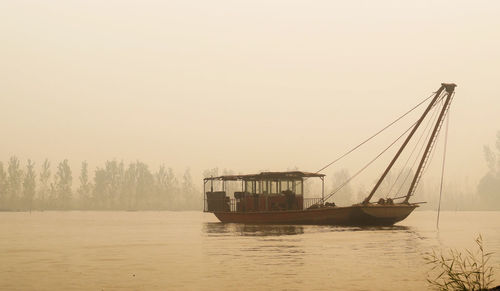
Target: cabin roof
[{"x": 268, "y": 175}]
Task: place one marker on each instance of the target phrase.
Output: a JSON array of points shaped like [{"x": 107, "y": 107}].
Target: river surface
[{"x": 193, "y": 251}]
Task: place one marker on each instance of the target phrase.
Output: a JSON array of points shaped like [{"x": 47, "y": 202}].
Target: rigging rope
[
  {"x": 426, "y": 129},
  {"x": 368, "y": 164},
  {"x": 442, "y": 168},
  {"x": 432, "y": 153},
  {"x": 436, "y": 136},
  {"x": 377, "y": 133}
]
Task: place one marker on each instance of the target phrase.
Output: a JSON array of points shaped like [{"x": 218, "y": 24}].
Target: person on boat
[
  {"x": 226, "y": 205},
  {"x": 290, "y": 199}
]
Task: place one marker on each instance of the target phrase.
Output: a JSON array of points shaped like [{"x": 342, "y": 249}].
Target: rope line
[
  {"x": 426, "y": 129},
  {"x": 374, "y": 135},
  {"x": 368, "y": 164},
  {"x": 432, "y": 152},
  {"x": 442, "y": 168}
]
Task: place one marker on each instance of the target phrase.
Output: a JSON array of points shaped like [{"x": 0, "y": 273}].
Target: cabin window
[
  {"x": 285, "y": 185},
  {"x": 298, "y": 187},
  {"x": 264, "y": 187},
  {"x": 250, "y": 186},
  {"x": 274, "y": 187}
]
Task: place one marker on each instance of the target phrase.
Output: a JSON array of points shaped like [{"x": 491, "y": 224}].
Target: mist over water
[
  {"x": 192, "y": 251},
  {"x": 245, "y": 86},
  {"x": 117, "y": 185},
  {"x": 115, "y": 110}
]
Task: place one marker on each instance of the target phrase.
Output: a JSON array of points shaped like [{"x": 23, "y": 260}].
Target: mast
[
  {"x": 449, "y": 93},
  {"x": 433, "y": 102}
]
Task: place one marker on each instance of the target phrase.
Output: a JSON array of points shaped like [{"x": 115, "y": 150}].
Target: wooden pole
[
  {"x": 436, "y": 97},
  {"x": 449, "y": 92}
]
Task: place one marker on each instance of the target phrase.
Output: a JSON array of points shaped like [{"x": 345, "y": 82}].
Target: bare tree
[
  {"x": 63, "y": 184},
  {"x": 85, "y": 187},
  {"x": 489, "y": 186},
  {"x": 491, "y": 159},
  {"x": 129, "y": 192},
  {"x": 162, "y": 196},
  {"x": 29, "y": 185},
  {"x": 344, "y": 195},
  {"x": 192, "y": 199},
  {"x": 113, "y": 187},
  {"x": 3, "y": 187},
  {"x": 44, "y": 188},
  {"x": 145, "y": 186},
  {"x": 14, "y": 182}
]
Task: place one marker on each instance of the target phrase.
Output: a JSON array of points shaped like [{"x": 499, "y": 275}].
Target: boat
[{"x": 278, "y": 197}]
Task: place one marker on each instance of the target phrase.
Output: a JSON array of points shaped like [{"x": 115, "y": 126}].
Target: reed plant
[{"x": 453, "y": 270}]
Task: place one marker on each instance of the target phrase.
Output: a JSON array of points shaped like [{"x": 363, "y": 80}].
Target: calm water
[{"x": 191, "y": 250}]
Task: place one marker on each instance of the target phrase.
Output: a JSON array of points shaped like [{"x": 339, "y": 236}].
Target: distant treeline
[
  {"x": 489, "y": 186},
  {"x": 457, "y": 194},
  {"x": 115, "y": 186}
]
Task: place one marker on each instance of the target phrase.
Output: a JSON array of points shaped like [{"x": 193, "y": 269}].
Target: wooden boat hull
[{"x": 372, "y": 214}]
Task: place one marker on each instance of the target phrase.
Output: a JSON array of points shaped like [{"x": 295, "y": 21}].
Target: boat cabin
[{"x": 267, "y": 191}]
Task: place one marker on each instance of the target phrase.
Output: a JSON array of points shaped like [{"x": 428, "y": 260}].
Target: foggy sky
[{"x": 245, "y": 85}]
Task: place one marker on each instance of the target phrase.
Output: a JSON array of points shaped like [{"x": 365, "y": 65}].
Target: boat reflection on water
[
  {"x": 382, "y": 228},
  {"x": 239, "y": 229},
  {"x": 214, "y": 228}
]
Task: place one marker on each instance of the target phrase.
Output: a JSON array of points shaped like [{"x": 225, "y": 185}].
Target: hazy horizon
[
  {"x": 246, "y": 86},
  {"x": 113, "y": 111}
]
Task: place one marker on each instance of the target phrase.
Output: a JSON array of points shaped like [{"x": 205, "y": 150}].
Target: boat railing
[
  {"x": 256, "y": 204},
  {"x": 220, "y": 205},
  {"x": 309, "y": 202}
]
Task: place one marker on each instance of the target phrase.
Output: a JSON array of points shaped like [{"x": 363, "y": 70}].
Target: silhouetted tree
[
  {"x": 344, "y": 196},
  {"x": 172, "y": 189},
  {"x": 3, "y": 187},
  {"x": 116, "y": 173},
  {"x": 214, "y": 172},
  {"x": 489, "y": 186},
  {"x": 113, "y": 187},
  {"x": 191, "y": 199},
  {"x": 144, "y": 187},
  {"x": 361, "y": 193},
  {"x": 109, "y": 185},
  {"x": 29, "y": 185},
  {"x": 101, "y": 189},
  {"x": 14, "y": 182},
  {"x": 85, "y": 187},
  {"x": 62, "y": 186},
  {"x": 162, "y": 197},
  {"x": 44, "y": 188},
  {"x": 491, "y": 159},
  {"x": 130, "y": 187}
]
